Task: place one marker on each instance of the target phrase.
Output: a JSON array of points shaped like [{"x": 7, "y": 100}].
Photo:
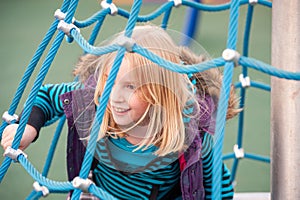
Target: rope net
[{"x": 70, "y": 27}]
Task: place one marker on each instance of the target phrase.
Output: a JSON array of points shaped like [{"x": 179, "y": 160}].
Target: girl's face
[{"x": 126, "y": 105}]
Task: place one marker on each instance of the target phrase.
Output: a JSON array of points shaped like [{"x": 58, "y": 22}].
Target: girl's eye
[{"x": 130, "y": 86}]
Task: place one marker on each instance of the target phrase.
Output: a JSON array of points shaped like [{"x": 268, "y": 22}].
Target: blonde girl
[{"x": 155, "y": 141}]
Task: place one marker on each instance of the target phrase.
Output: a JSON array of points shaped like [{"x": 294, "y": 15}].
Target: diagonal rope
[
  {"x": 22, "y": 85},
  {"x": 86, "y": 165}
]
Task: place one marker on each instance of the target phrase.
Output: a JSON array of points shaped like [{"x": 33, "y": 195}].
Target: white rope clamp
[
  {"x": 253, "y": 2},
  {"x": 113, "y": 8},
  {"x": 245, "y": 81},
  {"x": 81, "y": 183},
  {"x": 66, "y": 28},
  {"x": 125, "y": 42},
  {"x": 239, "y": 152},
  {"x": 177, "y": 3},
  {"x": 9, "y": 118},
  {"x": 58, "y": 14},
  {"x": 231, "y": 55},
  {"x": 13, "y": 153},
  {"x": 37, "y": 187}
]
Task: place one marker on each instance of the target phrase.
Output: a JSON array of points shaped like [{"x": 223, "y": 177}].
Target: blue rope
[
  {"x": 51, "y": 152},
  {"x": 268, "y": 69},
  {"x": 99, "y": 16},
  {"x": 30, "y": 68},
  {"x": 255, "y": 84},
  {"x": 166, "y": 18},
  {"x": 150, "y": 17},
  {"x": 100, "y": 193},
  {"x": 243, "y": 90},
  {"x": 95, "y": 32},
  {"x": 217, "y": 62},
  {"x": 219, "y": 132},
  {"x": 260, "y": 86},
  {"x": 24, "y": 81},
  {"x": 257, "y": 157},
  {"x": 89, "y": 48},
  {"x": 61, "y": 187},
  {"x": 86, "y": 165},
  {"x": 161, "y": 10},
  {"x": 69, "y": 7},
  {"x": 223, "y": 103}
]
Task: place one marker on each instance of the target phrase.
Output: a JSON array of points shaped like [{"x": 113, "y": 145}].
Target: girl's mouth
[{"x": 120, "y": 110}]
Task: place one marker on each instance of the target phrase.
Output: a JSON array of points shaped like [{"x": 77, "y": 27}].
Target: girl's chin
[{"x": 124, "y": 124}]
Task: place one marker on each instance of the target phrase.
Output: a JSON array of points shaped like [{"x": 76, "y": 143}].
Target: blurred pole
[
  {"x": 192, "y": 19},
  {"x": 285, "y": 102}
]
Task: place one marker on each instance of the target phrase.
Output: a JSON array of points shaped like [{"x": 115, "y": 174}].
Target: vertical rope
[
  {"x": 95, "y": 32},
  {"x": 219, "y": 133},
  {"x": 242, "y": 90},
  {"x": 166, "y": 18},
  {"x": 223, "y": 103}
]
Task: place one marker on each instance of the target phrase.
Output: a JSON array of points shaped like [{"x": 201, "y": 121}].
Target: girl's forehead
[
  {"x": 125, "y": 66},
  {"x": 126, "y": 71}
]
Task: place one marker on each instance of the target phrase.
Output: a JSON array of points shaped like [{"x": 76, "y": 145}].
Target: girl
[{"x": 155, "y": 141}]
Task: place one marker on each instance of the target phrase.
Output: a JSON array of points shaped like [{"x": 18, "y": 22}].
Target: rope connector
[
  {"x": 58, "y": 14},
  {"x": 125, "y": 42},
  {"x": 9, "y": 118},
  {"x": 245, "y": 81},
  {"x": 239, "y": 152},
  {"x": 37, "y": 187},
  {"x": 231, "y": 55},
  {"x": 66, "y": 28},
  {"x": 253, "y": 2},
  {"x": 13, "y": 153},
  {"x": 81, "y": 183},
  {"x": 177, "y": 3},
  {"x": 113, "y": 8}
]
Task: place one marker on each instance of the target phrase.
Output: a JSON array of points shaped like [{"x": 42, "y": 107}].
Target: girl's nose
[{"x": 116, "y": 94}]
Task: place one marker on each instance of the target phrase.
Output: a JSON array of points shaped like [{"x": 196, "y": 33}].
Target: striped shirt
[
  {"x": 48, "y": 101},
  {"x": 48, "y": 98},
  {"x": 133, "y": 175}
]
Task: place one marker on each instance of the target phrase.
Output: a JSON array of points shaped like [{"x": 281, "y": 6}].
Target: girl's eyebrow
[{"x": 130, "y": 82}]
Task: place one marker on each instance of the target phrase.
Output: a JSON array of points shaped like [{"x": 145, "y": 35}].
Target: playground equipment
[{"x": 229, "y": 59}]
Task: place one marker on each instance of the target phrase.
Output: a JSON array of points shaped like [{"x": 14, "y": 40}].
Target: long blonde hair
[{"x": 167, "y": 92}]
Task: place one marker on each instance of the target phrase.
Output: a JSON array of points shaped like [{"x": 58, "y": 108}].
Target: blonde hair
[{"x": 166, "y": 92}]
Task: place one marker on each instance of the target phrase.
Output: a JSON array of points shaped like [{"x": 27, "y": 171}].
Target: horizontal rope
[{"x": 268, "y": 69}]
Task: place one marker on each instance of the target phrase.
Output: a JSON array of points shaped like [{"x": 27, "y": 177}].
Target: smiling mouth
[{"x": 120, "y": 110}]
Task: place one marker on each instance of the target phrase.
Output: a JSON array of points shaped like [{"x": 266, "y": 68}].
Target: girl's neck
[
  {"x": 133, "y": 140},
  {"x": 136, "y": 135}
]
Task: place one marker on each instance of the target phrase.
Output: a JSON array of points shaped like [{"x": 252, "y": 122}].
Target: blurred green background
[{"x": 24, "y": 24}]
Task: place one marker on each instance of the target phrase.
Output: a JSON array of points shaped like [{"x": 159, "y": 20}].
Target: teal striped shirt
[{"x": 132, "y": 175}]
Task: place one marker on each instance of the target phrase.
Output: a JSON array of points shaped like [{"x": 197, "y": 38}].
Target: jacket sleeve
[
  {"x": 47, "y": 105},
  {"x": 207, "y": 158}
]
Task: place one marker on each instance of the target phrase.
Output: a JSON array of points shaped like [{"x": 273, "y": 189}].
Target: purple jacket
[{"x": 191, "y": 180}]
